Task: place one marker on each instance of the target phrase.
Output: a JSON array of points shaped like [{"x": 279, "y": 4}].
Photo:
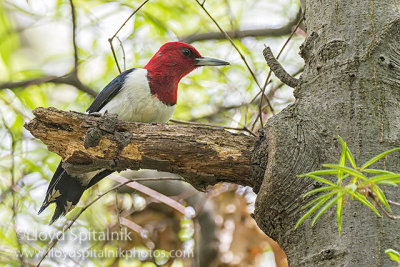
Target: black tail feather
[
  {"x": 43, "y": 207},
  {"x": 64, "y": 190},
  {"x": 99, "y": 176},
  {"x": 58, "y": 212}
]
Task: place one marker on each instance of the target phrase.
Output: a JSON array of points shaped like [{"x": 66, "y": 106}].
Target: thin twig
[
  {"x": 272, "y": 92},
  {"x": 120, "y": 28},
  {"x": 393, "y": 217},
  {"x": 68, "y": 225},
  {"x": 277, "y": 68},
  {"x": 255, "y": 97},
  {"x": 230, "y": 40},
  {"x": 299, "y": 17},
  {"x": 70, "y": 79},
  {"x": 26, "y": 83},
  {"x": 255, "y": 121},
  {"x": 239, "y": 34},
  {"x": 114, "y": 55},
  {"x": 269, "y": 73},
  {"x": 218, "y": 111},
  {"x": 123, "y": 52},
  {"x": 233, "y": 45},
  {"x": 245, "y": 129},
  {"x": 118, "y": 211},
  {"x": 152, "y": 193},
  {"x": 260, "y": 109},
  {"x": 393, "y": 203},
  {"x": 285, "y": 44},
  {"x": 13, "y": 183}
]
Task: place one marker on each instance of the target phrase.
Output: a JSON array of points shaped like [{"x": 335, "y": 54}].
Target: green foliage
[
  {"x": 9, "y": 43},
  {"x": 393, "y": 254},
  {"x": 351, "y": 183}
]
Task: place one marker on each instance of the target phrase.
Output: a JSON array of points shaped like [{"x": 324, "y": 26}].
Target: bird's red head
[
  {"x": 175, "y": 58},
  {"x": 170, "y": 64}
]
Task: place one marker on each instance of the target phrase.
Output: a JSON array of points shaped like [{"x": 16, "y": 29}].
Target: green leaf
[
  {"x": 317, "y": 178},
  {"x": 381, "y": 197},
  {"x": 324, "y": 172},
  {"x": 377, "y": 171},
  {"x": 321, "y": 189},
  {"x": 324, "y": 209},
  {"x": 344, "y": 177},
  {"x": 339, "y": 209},
  {"x": 327, "y": 195},
  {"x": 390, "y": 183},
  {"x": 393, "y": 254},
  {"x": 348, "y": 170},
  {"x": 364, "y": 201},
  {"x": 311, "y": 211},
  {"x": 351, "y": 159},
  {"x": 342, "y": 159},
  {"x": 376, "y": 158},
  {"x": 378, "y": 178}
]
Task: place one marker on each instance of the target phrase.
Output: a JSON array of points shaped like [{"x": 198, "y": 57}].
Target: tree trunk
[{"x": 350, "y": 87}]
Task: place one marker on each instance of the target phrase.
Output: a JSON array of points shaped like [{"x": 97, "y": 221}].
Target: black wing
[
  {"x": 108, "y": 92},
  {"x": 66, "y": 190}
]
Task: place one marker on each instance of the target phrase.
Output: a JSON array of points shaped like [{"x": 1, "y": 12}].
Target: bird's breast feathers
[{"x": 135, "y": 102}]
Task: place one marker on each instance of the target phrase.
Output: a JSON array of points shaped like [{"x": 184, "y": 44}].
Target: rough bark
[
  {"x": 350, "y": 87},
  {"x": 202, "y": 155}
]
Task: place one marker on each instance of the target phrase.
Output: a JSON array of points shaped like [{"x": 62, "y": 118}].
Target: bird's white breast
[{"x": 134, "y": 102}]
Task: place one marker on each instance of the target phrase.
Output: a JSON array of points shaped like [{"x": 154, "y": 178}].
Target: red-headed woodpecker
[{"x": 146, "y": 94}]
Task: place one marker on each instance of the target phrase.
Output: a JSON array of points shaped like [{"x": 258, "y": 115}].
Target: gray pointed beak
[{"x": 208, "y": 61}]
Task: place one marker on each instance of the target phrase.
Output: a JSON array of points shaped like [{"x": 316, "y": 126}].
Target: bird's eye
[{"x": 186, "y": 52}]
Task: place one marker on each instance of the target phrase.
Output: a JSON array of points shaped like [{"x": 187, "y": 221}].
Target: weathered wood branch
[
  {"x": 278, "y": 70},
  {"x": 202, "y": 155}
]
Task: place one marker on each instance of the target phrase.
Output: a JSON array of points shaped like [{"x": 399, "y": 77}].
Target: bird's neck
[{"x": 164, "y": 86}]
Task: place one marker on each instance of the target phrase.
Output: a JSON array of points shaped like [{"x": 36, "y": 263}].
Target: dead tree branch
[
  {"x": 202, "y": 155},
  {"x": 278, "y": 70}
]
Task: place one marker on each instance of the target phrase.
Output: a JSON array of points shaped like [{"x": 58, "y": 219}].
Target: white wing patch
[
  {"x": 68, "y": 206},
  {"x": 54, "y": 194}
]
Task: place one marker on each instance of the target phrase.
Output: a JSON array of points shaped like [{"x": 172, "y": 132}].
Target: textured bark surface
[
  {"x": 350, "y": 87},
  {"x": 202, "y": 155}
]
